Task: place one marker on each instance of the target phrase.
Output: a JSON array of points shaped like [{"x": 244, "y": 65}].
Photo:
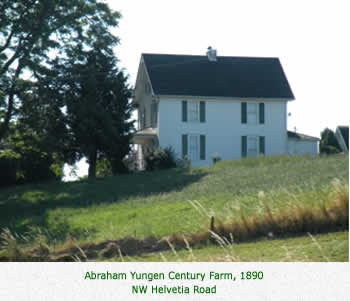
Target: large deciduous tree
[{"x": 59, "y": 79}]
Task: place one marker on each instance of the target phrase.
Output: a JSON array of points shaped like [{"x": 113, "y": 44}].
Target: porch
[{"x": 146, "y": 141}]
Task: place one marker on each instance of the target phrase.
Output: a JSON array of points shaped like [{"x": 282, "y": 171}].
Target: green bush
[
  {"x": 26, "y": 160},
  {"x": 160, "y": 159},
  {"x": 329, "y": 150},
  {"x": 103, "y": 168},
  {"x": 329, "y": 143},
  {"x": 110, "y": 167},
  {"x": 120, "y": 166},
  {"x": 9, "y": 161}
]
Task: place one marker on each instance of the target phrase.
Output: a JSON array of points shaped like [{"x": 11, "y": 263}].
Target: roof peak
[{"x": 205, "y": 56}]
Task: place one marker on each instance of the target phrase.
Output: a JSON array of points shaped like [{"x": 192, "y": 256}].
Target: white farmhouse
[{"x": 203, "y": 105}]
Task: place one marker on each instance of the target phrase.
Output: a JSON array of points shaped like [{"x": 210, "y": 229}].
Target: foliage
[
  {"x": 160, "y": 159},
  {"x": 30, "y": 29},
  {"x": 8, "y": 165},
  {"x": 43, "y": 113},
  {"x": 77, "y": 98},
  {"x": 27, "y": 159},
  {"x": 98, "y": 108},
  {"x": 103, "y": 168},
  {"x": 96, "y": 96},
  {"x": 328, "y": 144},
  {"x": 184, "y": 163}
]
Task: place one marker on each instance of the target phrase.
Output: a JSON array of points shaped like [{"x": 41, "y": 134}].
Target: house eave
[
  {"x": 300, "y": 137},
  {"x": 175, "y": 96}
]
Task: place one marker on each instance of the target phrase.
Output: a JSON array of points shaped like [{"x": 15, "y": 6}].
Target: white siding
[
  {"x": 143, "y": 98},
  {"x": 302, "y": 147},
  {"x": 223, "y": 128}
]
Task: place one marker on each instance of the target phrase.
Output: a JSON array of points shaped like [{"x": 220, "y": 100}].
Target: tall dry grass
[{"x": 330, "y": 215}]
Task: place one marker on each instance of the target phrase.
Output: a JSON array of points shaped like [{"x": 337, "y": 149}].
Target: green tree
[
  {"x": 76, "y": 101},
  {"x": 98, "y": 109},
  {"x": 28, "y": 158},
  {"x": 328, "y": 143},
  {"x": 31, "y": 29},
  {"x": 42, "y": 114}
]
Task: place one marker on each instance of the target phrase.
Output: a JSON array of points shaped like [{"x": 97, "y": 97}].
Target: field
[
  {"x": 157, "y": 204},
  {"x": 329, "y": 247}
]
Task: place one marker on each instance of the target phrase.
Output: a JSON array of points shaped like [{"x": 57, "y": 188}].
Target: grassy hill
[{"x": 165, "y": 202}]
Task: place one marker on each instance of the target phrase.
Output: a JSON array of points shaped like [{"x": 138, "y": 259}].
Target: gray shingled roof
[
  {"x": 299, "y": 136},
  {"x": 194, "y": 75}
]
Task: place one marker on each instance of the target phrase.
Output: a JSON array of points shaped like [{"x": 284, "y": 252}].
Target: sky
[{"x": 311, "y": 39}]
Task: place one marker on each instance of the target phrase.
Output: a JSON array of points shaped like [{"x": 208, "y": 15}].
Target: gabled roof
[
  {"x": 195, "y": 75},
  {"x": 299, "y": 136}
]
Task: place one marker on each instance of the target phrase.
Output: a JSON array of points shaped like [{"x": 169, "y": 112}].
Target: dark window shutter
[
  {"x": 244, "y": 112},
  {"x": 244, "y": 146},
  {"x": 184, "y": 146},
  {"x": 202, "y": 147},
  {"x": 261, "y": 113},
  {"x": 262, "y": 145},
  {"x": 184, "y": 111},
  {"x": 202, "y": 111},
  {"x": 156, "y": 114}
]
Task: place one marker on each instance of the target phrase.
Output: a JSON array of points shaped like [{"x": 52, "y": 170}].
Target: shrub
[
  {"x": 216, "y": 158},
  {"x": 184, "y": 163},
  {"x": 329, "y": 144},
  {"x": 120, "y": 166},
  {"x": 26, "y": 160},
  {"x": 110, "y": 167},
  {"x": 103, "y": 168},
  {"x": 160, "y": 159},
  {"x": 9, "y": 161}
]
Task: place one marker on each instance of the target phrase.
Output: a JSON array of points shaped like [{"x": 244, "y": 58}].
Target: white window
[
  {"x": 252, "y": 113},
  {"x": 193, "y": 111},
  {"x": 252, "y": 146},
  {"x": 193, "y": 147}
]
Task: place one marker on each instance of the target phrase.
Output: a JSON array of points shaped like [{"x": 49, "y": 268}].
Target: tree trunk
[
  {"x": 4, "y": 126},
  {"x": 92, "y": 164}
]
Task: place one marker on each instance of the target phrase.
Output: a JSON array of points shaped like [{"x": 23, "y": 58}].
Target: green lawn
[
  {"x": 161, "y": 203},
  {"x": 331, "y": 247}
]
